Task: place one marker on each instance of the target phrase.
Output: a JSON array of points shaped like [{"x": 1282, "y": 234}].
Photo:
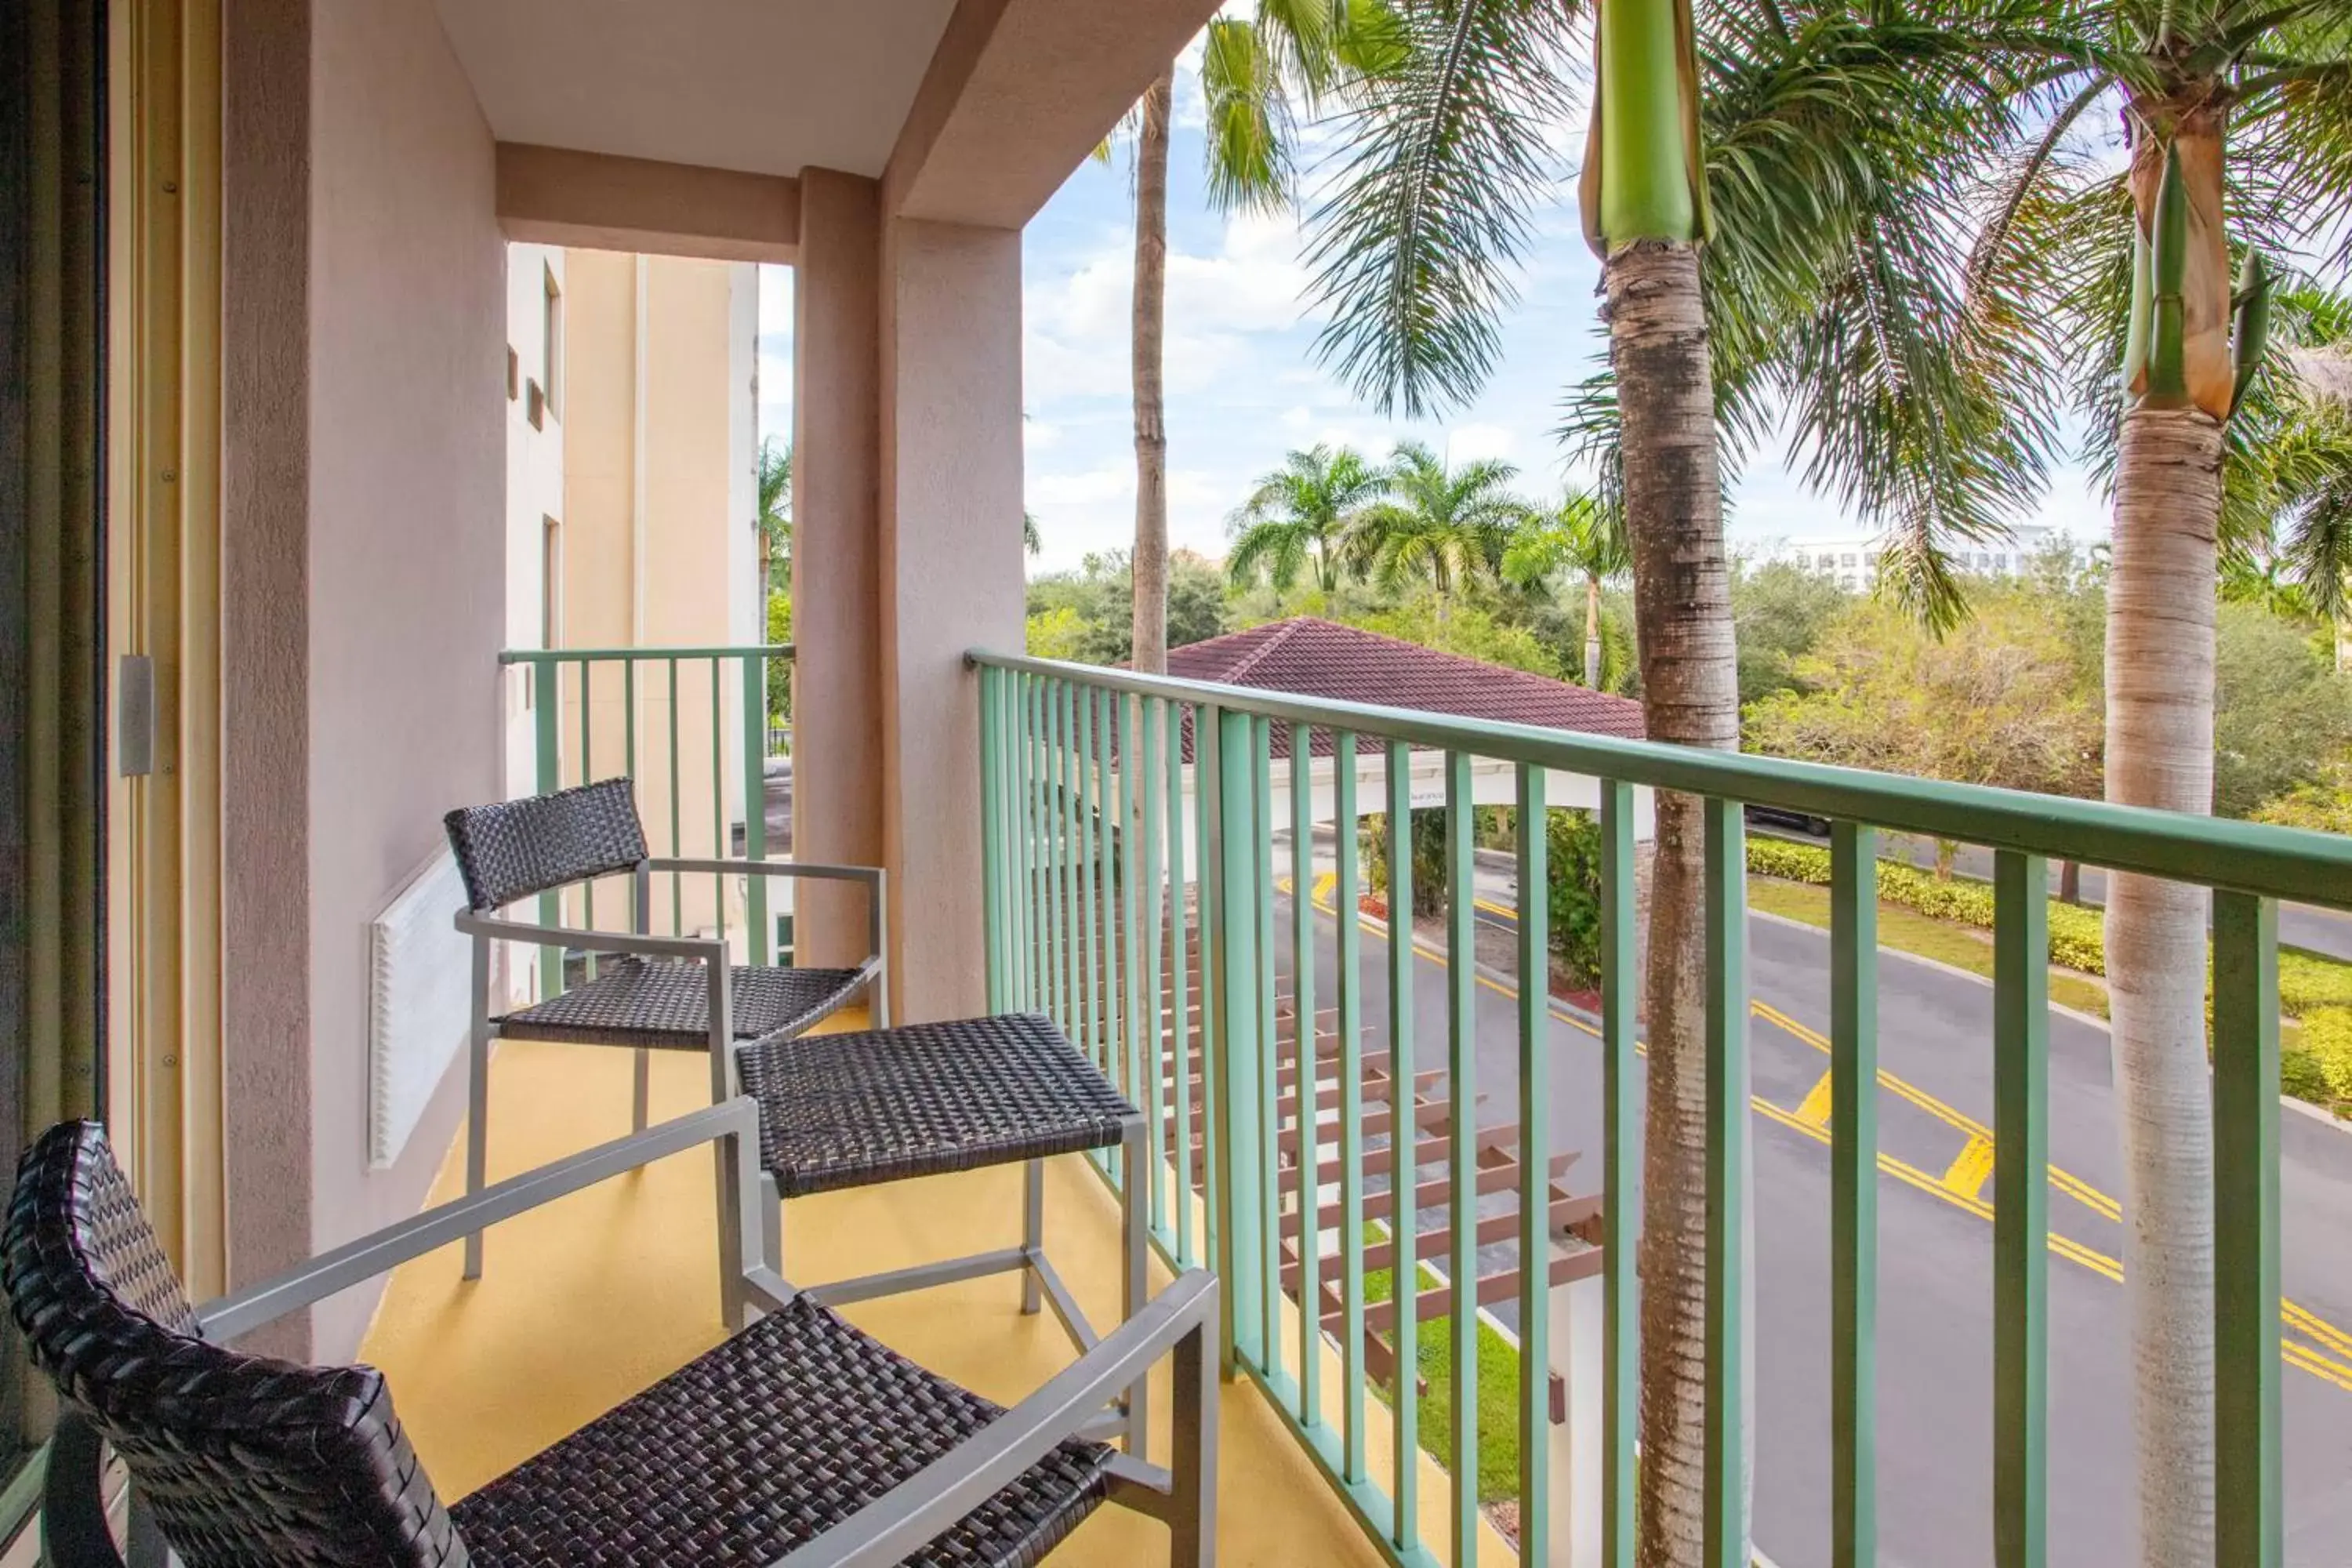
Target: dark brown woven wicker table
[
  {"x": 922, "y": 1100},
  {"x": 800, "y": 1442}
]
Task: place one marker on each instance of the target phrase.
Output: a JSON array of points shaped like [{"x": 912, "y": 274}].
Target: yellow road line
[
  {"x": 1968, "y": 1172},
  {"x": 1814, "y": 1108},
  {"x": 2316, "y": 1362},
  {"x": 2291, "y": 1315},
  {"x": 2066, "y": 1182},
  {"x": 1323, "y": 883}
]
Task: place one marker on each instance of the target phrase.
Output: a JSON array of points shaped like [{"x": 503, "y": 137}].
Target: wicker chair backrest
[
  {"x": 242, "y": 1461},
  {"x": 517, "y": 847}
]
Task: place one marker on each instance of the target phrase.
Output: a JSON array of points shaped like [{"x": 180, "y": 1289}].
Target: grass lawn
[
  {"x": 1498, "y": 1395},
  {"x": 1909, "y": 931}
]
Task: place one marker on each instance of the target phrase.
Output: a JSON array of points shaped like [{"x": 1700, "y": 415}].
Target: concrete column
[
  {"x": 837, "y": 800},
  {"x": 1575, "y": 1459},
  {"x": 951, "y": 579}
]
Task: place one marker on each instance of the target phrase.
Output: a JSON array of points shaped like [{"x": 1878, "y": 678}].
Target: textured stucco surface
[
  {"x": 406, "y": 561},
  {"x": 951, "y": 580},
  {"x": 836, "y": 502},
  {"x": 264, "y": 553}
]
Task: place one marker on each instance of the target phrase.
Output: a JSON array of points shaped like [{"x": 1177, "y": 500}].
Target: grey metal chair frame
[
  {"x": 485, "y": 927},
  {"x": 1181, "y": 1322}
]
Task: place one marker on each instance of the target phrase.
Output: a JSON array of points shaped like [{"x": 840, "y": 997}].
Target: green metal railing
[
  {"x": 1148, "y": 934},
  {"x": 653, "y": 713}
]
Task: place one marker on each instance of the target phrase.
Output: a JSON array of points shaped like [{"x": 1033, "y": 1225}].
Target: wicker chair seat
[
  {"x": 662, "y": 1004},
  {"x": 789, "y": 1427},
  {"x": 852, "y": 1109}
]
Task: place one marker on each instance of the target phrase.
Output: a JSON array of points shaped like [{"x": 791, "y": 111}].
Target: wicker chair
[
  {"x": 799, "y": 1442},
  {"x": 663, "y": 993}
]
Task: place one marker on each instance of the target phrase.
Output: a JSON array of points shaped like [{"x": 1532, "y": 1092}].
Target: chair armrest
[
  {"x": 708, "y": 949},
  {"x": 919, "y": 1509},
  {"x": 871, "y": 875},
  {"x": 736, "y": 1122}
]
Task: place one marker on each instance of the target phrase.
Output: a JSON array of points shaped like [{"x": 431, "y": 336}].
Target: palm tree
[
  {"x": 2237, "y": 119},
  {"x": 2292, "y": 476},
  {"x": 1580, "y": 535},
  {"x": 1257, "y": 72},
  {"x": 775, "y": 519},
  {"x": 1770, "y": 248},
  {"x": 1299, "y": 516},
  {"x": 1445, "y": 525}
]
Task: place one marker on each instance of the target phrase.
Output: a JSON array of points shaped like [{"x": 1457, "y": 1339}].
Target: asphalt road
[{"x": 1936, "y": 1257}]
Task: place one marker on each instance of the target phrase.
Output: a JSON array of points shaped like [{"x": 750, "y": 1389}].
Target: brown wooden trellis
[{"x": 1573, "y": 1218}]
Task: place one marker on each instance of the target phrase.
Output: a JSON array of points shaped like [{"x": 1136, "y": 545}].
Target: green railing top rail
[
  {"x": 2242, "y": 856},
  {"x": 586, "y": 655}
]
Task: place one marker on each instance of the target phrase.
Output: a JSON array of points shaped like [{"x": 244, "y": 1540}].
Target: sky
[{"x": 1243, "y": 384}]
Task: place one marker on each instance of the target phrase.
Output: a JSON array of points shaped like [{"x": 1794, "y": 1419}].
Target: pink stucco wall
[{"x": 407, "y": 492}]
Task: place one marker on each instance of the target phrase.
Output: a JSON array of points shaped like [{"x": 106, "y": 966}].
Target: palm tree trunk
[
  {"x": 1592, "y": 631},
  {"x": 2159, "y": 752},
  {"x": 1673, "y": 512},
  {"x": 1149, "y": 565}
]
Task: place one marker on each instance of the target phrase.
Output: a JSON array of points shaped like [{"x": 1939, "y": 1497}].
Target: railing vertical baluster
[
  {"x": 1034, "y": 934},
  {"x": 2020, "y": 1226},
  {"x": 1405, "y": 1172},
  {"x": 639, "y": 920},
  {"x": 994, "y": 873},
  {"x": 1234, "y": 1055},
  {"x": 1462, "y": 1146},
  {"x": 1309, "y": 1080},
  {"x": 1105, "y": 899},
  {"x": 1150, "y": 756},
  {"x": 1049, "y": 853},
  {"x": 587, "y": 771},
  {"x": 1131, "y": 750},
  {"x": 1269, "y": 1111},
  {"x": 1853, "y": 1195},
  {"x": 1065, "y": 906},
  {"x": 547, "y": 721},
  {"x": 1180, "y": 1023},
  {"x": 719, "y": 845},
  {"x": 1620, "y": 1172},
  {"x": 676, "y": 818},
  {"x": 2250, "y": 1525},
  {"x": 1016, "y": 824},
  {"x": 1348, "y": 900},
  {"x": 1086, "y": 798},
  {"x": 1535, "y": 1167},
  {"x": 1106, "y": 823},
  {"x": 1727, "y": 1185},
  {"x": 762, "y": 942},
  {"x": 1208, "y": 875}
]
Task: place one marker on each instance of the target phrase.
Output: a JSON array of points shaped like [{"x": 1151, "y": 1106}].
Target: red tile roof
[{"x": 1309, "y": 657}]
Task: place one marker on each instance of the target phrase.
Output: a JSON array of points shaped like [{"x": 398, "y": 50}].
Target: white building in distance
[{"x": 1853, "y": 558}]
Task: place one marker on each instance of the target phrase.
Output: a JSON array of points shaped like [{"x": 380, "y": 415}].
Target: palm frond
[
  {"x": 1414, "y": 248},
  {"x": 1249, "y": 131}
]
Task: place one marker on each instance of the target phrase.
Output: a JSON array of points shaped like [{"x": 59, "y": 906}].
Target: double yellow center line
[{"x": 1962, "y": 1184}]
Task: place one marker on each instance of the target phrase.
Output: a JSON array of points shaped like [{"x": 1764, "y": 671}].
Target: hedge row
[
  {"x": 2077, "y": 936},
  {"x": 2327, "y": 1042}
]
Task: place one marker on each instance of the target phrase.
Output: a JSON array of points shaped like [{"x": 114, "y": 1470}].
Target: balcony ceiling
[{"x": 766, "y": 86}]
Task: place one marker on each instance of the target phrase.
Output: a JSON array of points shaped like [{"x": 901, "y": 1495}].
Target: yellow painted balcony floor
[{"x": 593, "y": 1298}]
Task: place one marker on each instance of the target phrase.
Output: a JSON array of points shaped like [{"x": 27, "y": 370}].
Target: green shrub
[
  {"x": 2328, "y": 1041},
  {"x": 1790, "y": 862},
  {"x": 2300, "y": 1076},
  {"x": 1572, "y": 884},
  {"x": 2309, "y": 984},
  {"x": 2077, "y": 936}
]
